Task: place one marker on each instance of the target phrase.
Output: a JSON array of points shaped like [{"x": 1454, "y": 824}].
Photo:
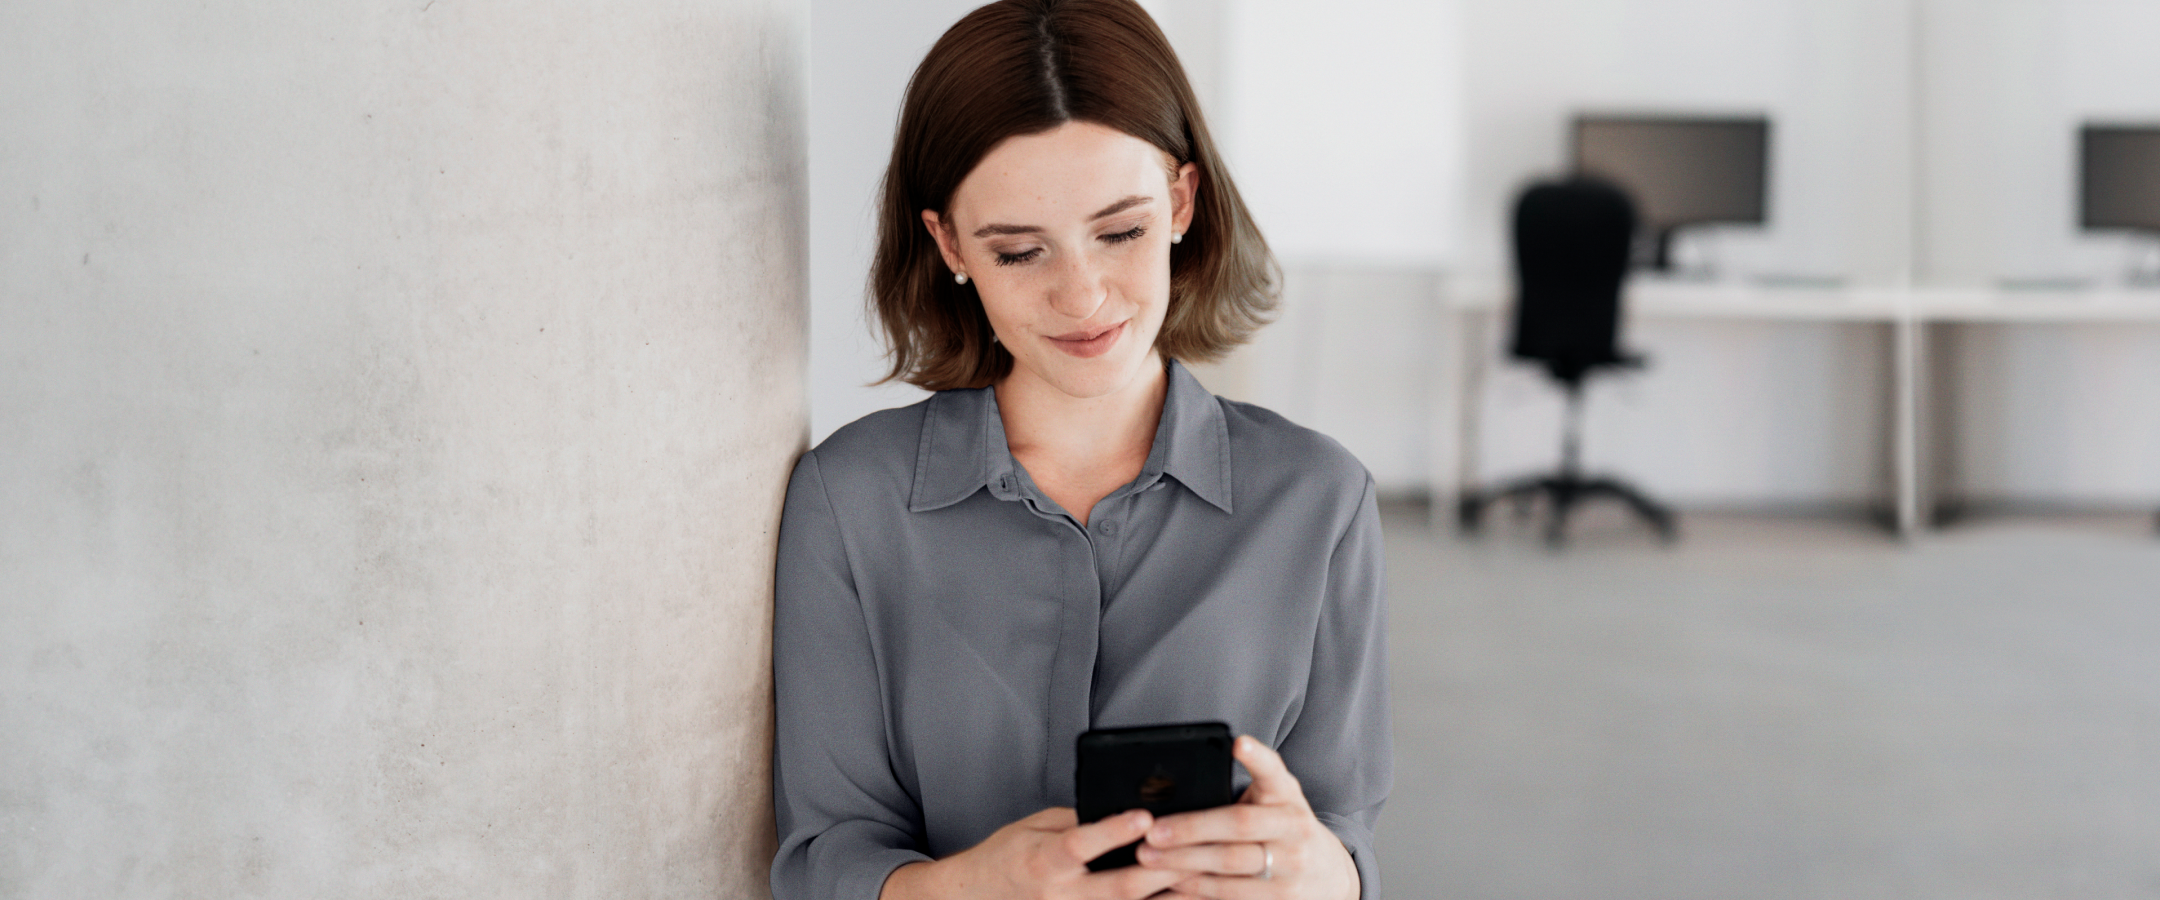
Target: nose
[{"x": 1080, "y": 287}]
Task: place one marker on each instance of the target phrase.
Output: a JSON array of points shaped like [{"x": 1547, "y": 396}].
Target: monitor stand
[
  {"x": 1654, "y": 253},
  {"x": 2144, "y": 271}
]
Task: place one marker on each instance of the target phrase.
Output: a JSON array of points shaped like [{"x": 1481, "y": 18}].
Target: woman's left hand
[{"x": 1267, "y": 845}]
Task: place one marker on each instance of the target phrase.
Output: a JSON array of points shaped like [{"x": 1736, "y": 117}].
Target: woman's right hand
[{"x": 1041, "y": 857}]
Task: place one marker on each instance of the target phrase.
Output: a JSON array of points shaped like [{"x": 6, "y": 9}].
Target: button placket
[{"x": 1073, "y": 668}]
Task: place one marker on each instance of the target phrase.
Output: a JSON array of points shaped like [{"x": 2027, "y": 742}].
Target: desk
[{"x": 1475, "y": 303}]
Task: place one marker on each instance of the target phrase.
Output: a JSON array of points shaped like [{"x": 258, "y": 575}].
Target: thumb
[
  {"x": 1094, "y": 839},
  {"x": 1272, "y": 783}
]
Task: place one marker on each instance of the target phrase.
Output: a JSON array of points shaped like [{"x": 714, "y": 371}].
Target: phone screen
[{"x": 1163, "y": 769}]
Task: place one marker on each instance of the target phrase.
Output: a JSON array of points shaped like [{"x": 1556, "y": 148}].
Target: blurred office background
[
  {"x": 1792, "y": 701},
  {"x": 1381, "y": 144}
]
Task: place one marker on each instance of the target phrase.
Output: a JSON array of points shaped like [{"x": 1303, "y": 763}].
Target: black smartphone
[{"x": 1163, "y": 769}]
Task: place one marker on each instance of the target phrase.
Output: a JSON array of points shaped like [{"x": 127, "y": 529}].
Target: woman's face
[{"x": 1066, "y": 237}]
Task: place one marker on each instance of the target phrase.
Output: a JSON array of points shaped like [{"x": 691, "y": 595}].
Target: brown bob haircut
[{"x": 1019, "y": 67}]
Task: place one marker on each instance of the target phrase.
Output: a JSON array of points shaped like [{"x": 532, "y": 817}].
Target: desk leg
[
  {"x": 1470, "y": 407},
  {"x": 1455, "y": 418},
  {"x": 1906, "y": 351},
  {"x": 1444, "y": 411}
]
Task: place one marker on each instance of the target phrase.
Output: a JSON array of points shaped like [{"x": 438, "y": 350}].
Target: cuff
[
  {"x": 865, "y": 876},
  {"x": 1358, "y": 840}
]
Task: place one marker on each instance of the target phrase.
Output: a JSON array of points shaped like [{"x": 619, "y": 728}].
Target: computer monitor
[
  {"x": 2119, "y": 177},
  {"x": 1681, "y": 170}
]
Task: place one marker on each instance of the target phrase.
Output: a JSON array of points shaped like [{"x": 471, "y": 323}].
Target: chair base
[{"x": 1565, "y": 492}]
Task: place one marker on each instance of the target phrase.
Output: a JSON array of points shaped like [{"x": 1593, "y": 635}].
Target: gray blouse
[{"x": 943, "y": 631}]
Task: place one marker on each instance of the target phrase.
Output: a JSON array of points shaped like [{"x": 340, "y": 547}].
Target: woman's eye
[
  {"x": 1014, "y": 259},
  {"x": 1123, "y": 236}
]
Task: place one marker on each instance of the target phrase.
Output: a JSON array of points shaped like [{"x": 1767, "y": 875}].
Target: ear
[
  {"x": 948, "y": 241},
  {"x": 1184, "y": 194}
]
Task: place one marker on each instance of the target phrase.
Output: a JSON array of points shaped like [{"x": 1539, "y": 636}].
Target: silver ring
[{"x": 1267, "y": 864}]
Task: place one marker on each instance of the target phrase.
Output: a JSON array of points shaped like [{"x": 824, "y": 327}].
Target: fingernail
[{"x": 1158, "y": 835}]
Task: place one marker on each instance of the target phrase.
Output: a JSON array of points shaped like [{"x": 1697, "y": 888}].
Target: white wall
[
  {"x": 2046, "y": 413},
  {"x": 395, "y": 406},
  {"x": 1831, "y": 74},
  {"x": 1978, "y": 99},
  {"x": 1342, "y": 122},
  {"x": 1727, "y": 412},
  {"x": 2007, "y": 83},
  {"x": 861, "y": 54}
]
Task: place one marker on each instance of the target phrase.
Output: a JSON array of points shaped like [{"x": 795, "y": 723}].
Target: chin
[{"x": 1087, "y": 379}]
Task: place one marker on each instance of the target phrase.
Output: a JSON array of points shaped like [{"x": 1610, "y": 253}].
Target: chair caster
[{"x": 1469, "y": 511}]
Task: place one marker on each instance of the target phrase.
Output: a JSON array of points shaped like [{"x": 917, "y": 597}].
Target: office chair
[{"x": 1572, "y": 243}]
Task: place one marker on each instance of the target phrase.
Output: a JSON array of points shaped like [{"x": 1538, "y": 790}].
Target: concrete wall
[{"x": 395, "y": 405}]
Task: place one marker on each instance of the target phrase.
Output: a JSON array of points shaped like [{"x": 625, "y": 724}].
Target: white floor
[{"x": 1776, "y": 708}]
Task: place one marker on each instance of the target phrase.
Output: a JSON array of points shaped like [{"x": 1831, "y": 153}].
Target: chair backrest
[{"x": 1572, "y": 243}]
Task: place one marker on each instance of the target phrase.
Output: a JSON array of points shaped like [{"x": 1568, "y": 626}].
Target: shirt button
[{"x": 1108, "y": 528}]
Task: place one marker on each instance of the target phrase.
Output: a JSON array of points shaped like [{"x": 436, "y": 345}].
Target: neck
[{"x": 1080, "y": 433}]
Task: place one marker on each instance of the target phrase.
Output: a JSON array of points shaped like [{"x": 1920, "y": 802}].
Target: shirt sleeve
[
  {"x": 1339, "y": 746},
  {"x": 845, "y": 821}
]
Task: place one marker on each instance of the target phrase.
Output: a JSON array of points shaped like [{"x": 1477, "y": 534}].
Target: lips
[{"x": 1086, "y": 344}]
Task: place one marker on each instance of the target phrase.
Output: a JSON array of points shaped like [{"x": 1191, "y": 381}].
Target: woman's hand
[
  {"x": 1041, "y": 857},
  {"x": 1267, "y": 845}
]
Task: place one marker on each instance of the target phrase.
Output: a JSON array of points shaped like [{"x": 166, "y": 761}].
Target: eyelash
[{"x": 1014, "y": 259}]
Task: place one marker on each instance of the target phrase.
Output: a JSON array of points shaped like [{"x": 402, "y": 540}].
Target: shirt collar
[{"x": 963, "y": 446}]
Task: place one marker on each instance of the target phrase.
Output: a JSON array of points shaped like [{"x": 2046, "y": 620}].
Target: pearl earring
[
  {"x": 1177, "y": 236},
  {"x": 959, "y": 278}
]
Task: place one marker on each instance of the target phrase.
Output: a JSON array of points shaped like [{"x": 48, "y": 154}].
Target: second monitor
[
  {"x": 2119, "y": 187},
  {"x": 1681, "y": 170}
]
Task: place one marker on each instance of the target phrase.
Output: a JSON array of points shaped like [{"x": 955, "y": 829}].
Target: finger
[
  {"x": 1056, "y": 818},
  {"x": 1220, "y": 887},
  {"x": 1224, "y": 824},
  {"x": 1094, "y": 839},
  {"x": 1130, "y": 883},
  {"x": 1241, "y": 858},
  {"x": 1271, "y": 779}
]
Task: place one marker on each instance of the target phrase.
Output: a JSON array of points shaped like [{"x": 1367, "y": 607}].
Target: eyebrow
[{"x": 1107, "y": 211}]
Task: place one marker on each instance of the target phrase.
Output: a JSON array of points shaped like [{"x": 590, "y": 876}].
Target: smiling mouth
[{"x": 1089, "y": 344}]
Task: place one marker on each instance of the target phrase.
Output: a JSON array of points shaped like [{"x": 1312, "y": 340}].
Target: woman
[{"x": 1071, "y": 533}]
